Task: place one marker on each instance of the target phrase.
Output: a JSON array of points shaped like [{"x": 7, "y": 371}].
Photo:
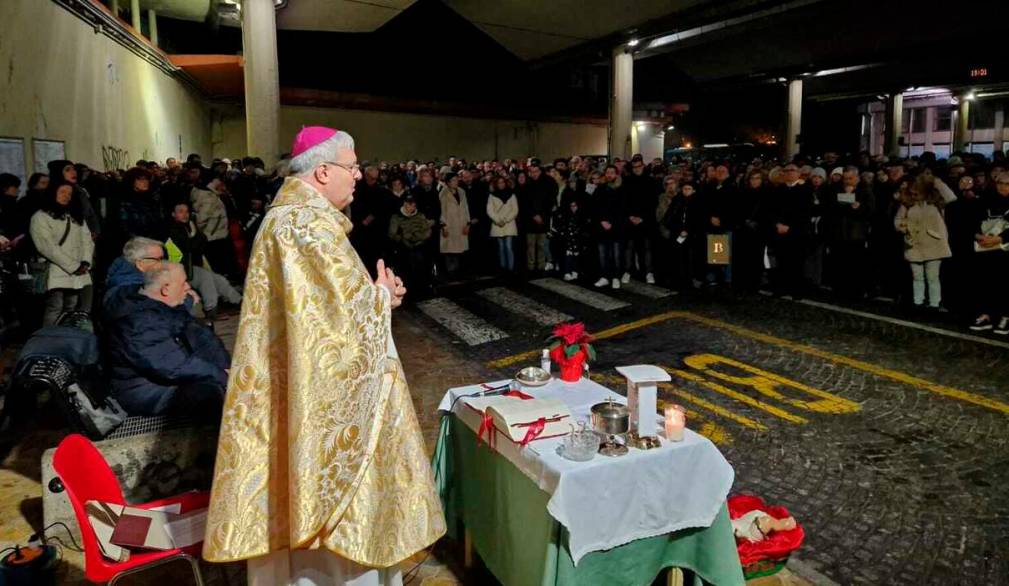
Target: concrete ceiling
[
  {"x": 343, "y": 16},
  {"x": 530, "y": 29}
]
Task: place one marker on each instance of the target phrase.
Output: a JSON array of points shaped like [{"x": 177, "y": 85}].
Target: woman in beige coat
[
  {"x": 502, "y": 209},
  {"x": 62, "y": 238},
  {"x": 454, "y": 223},
  {"x": 926, "y": 241}
]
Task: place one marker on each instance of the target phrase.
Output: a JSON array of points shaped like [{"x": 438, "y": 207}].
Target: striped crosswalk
[
  {"x": 580, "y": 294},
  {"x": 523, "y": 306},
  {"x": 460, "y": 321},
  {"x": 505, "y": 304}
]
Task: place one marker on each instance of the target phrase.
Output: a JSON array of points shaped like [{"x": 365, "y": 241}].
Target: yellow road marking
[
  {"x": 717, "y": 409},
  {"x": 741, "y": 397},
  {"x": 612, "y": 379},
  {"x": 614, "y": 331},
  {"x": 879, "y": 371},
  {"x": 855, "y": 363},
  {"x": 768, "y": 384}
]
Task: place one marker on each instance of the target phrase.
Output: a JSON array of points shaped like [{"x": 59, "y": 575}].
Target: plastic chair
[{"x": 86, "y": 476}]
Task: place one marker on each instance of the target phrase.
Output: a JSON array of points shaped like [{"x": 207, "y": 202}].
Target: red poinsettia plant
[{"x": 570, "y": 348}]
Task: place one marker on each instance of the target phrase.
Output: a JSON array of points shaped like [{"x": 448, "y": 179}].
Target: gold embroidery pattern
[{"x": 320, "y": 445}]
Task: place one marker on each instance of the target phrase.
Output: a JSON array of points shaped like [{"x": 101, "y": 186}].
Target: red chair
[{"x": 86, "y": 476}]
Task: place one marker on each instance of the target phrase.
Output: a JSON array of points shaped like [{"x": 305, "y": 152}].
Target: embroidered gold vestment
[{"x": 320, "y": 445}]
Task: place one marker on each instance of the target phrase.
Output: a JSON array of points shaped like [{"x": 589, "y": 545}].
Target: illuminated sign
[{"x": 979, "y": 72}]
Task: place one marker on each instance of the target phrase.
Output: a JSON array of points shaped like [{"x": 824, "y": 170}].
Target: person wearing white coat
[
  {"x": 503, "y": 209},
  {"x": 454, "y": 223},
  {"x": 62, "y": 238}
]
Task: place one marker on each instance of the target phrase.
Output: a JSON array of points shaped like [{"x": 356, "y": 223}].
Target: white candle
[{"x": 676, "y": 421}]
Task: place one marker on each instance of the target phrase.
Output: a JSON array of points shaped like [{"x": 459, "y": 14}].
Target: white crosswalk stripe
[
  {"x": 581, "y": 294},
  {"x": 646, "y": 290},
  {"x": 523, "y": 306},
  {"x": 461, "y": 322}
]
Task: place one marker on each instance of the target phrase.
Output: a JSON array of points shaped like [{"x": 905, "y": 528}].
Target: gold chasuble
[{"x": 320, "y": 447}]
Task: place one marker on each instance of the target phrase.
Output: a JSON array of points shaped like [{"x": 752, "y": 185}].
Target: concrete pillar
[
  {"x": 262, "y": 81},
  {"x": 793, "y": 123},
  {"x": 135, "y": 14},
  {"x": 960, "y": 129},
  {"x": 621, "y": 103},
  {"x": 152, "y": 26},
  {"x": 894, "y": 121}
]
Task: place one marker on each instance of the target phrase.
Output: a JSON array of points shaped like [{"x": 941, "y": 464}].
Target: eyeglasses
[
  {"x": 352, "y": 169},
  {"x": 153, "y": 259}
]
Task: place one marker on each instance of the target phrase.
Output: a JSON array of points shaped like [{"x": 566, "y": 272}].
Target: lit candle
[{"x": 676, "y": 421}]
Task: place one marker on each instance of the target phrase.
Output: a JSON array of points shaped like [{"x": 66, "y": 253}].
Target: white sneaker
[
  {"x": 574, "y": 276},
  {"x": 549, "y": 267},
  {"x": 616, "y": 283},
  {"x": 568, "y": 277},
  {"x": 603, "y": 281},
  {"x": 1002, "y": 328},
  {"x": 626, "y": 279},
  {"x": 650, "y": 279}
]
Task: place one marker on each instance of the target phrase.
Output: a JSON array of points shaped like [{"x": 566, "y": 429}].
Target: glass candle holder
[{"x": 676, "y": 422}]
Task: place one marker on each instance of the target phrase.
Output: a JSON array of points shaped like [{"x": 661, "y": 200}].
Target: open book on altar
[{"x": 522, "y": 420}]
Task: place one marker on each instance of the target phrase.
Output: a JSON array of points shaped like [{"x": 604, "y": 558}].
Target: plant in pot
[{"x": 570, "y": 349}]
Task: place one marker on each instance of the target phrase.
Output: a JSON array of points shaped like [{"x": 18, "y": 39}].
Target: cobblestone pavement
[{"x": 887, "y": 443}]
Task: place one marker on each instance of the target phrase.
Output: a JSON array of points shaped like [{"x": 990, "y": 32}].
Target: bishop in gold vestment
[{"x": 320, "y": 448}]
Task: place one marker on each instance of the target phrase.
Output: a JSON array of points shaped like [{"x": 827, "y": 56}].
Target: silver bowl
[{"x": 533, "y": 376}]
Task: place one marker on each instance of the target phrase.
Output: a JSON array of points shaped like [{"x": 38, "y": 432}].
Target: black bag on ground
[{"x": 64, "y": 361}]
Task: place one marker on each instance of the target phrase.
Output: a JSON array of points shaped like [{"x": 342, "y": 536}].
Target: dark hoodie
[
  {"x": 152, "y": 349},
  {"x": 90, "y": 216}
]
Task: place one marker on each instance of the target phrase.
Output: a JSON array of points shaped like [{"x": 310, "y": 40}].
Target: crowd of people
[{"x": 933, "y": 234}]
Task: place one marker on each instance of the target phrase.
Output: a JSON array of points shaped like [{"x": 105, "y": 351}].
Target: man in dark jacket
[
  {"x": 642, "y": 195},
  {"x": 371, "y": 209},
  {"x": 161, "y": 360},
  {"x": 541, "y": 193},
  {"x": 186, "y": 245},
  {"x": 609, "y": 227},
  {"x": 849, "y": 209},
  {"x": 789, "y": 213},
  {"x": 718, "y": 200}
]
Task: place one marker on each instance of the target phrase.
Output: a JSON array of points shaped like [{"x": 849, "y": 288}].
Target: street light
[{"x": 633, "y": 43}]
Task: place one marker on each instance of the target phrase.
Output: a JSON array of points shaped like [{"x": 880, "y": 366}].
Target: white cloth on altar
[
  {"x": 608, "y": 502},
  {"x": 317, "y": 567}
]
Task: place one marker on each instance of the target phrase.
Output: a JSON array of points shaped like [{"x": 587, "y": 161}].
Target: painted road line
[
  {"x": 903, "y": 378},
  {"x": 580, "y": 294},
  {"x": 523, "y": 306},
  {"x": 855, "y": 363},
  {"x": 614, "y": 331},
  {"x": 646, "y": 290},
  {"x": 617, "y": 381},
  {"x": 468, "y": 327},
  {"x": 741, "y": 397},
  {"x": 905, "y": 323}
]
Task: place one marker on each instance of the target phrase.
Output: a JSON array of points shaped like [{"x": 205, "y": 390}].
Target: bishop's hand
[{"x": 393, "y": 284}]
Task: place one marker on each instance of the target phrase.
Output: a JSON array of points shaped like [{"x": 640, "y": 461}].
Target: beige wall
[
  {"x": 398, "y": 137},
  {"x": 61, "y": 81}
]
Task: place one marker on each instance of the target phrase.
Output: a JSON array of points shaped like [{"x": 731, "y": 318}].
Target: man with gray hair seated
[
  {"x": 139, "y": 256},
  {"x": 161, "y": 360}
]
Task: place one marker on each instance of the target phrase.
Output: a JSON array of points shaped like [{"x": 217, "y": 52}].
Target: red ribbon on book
[
  {"x": 519, "y": 395},
  {"x": 535, "y": 429},
  {"x": 486, "y": 426}
]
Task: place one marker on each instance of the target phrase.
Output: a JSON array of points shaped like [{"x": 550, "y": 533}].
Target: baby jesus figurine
[{"x": 755, "y": 525}]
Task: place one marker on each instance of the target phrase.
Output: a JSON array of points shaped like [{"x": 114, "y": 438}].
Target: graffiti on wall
[{"x": 115, "y": 158}]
